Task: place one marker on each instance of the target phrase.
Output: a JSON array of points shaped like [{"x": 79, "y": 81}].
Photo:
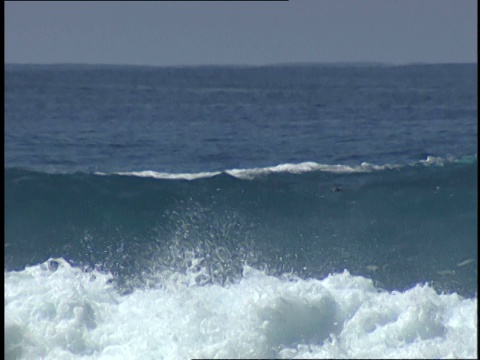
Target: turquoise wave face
[{"x": 400, "y": 226}]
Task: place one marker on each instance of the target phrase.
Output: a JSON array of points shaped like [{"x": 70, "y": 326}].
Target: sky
[{"x": 164, "y": 33}]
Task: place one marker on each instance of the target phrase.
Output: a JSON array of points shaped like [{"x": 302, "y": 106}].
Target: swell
[{"x": 411, "y": 222}]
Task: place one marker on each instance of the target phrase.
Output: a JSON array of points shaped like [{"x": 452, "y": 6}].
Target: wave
[
  {"x": 421, "y": 219},
  {"x": 54, "y": 310},
  {"x": 293, "y": 261},
  {"x": 300, "y": 168}
]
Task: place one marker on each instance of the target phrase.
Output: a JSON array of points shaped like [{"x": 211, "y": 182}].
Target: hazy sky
[{"x": 249, "y": 33}]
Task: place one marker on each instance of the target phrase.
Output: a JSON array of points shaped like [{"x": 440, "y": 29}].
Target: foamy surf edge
[{"x": 340, "y": 316}]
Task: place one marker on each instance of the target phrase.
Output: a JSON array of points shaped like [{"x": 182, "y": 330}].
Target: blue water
[
  {"x": 278, "y": 211},
  {"x": 196, "y": 119}
]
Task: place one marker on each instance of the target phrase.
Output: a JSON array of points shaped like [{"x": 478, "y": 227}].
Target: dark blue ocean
[{"x": 289, "y": 211}]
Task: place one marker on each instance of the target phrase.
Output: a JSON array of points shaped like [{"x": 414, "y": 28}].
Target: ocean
[{"x": 287, "y": 211}]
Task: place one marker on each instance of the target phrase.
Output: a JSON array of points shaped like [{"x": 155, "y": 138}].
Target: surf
[{"x": 261, "y": 315}]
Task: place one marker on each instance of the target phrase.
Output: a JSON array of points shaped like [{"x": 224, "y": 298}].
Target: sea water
[{"x": 314, "y": 211}]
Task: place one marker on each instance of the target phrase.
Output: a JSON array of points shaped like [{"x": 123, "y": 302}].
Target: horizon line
[{"x": 279, "y": 64}]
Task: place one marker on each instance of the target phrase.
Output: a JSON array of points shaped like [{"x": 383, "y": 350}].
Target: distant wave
[
  {"x": 291, "y": 168},
  {"x": 165, "y": 175}
]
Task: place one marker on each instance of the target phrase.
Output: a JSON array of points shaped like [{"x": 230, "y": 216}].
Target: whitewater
[{"x": 56, "y": 311}]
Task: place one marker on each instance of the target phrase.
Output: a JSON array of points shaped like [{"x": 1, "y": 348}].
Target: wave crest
[{"x": 294, "y": 168}]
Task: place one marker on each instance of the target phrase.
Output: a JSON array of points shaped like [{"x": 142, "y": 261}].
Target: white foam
[
  {"x": 298, "y": 168},
  {"x": 435, "y": 160},
  {"x": 309, "y": 166},
  {"x": 69, "y": 314},
  {"x": 169, "y": 176}
]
